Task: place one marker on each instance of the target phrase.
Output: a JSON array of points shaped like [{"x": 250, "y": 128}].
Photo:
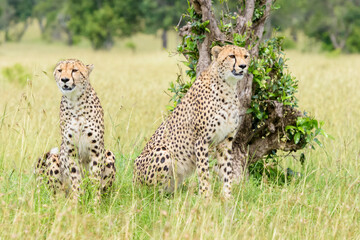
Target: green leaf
[
  {"x": 250, "y": 110},
  {"x": 318, "y": 142},
  {"x": 301, "y": 129},
  {"x": 297, "y": 138},
  {"x": 331, "y": 137},
  {"x": 289, "y": 127}
]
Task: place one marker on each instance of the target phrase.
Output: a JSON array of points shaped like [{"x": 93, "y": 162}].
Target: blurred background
[{"x": 323, "y": 25}]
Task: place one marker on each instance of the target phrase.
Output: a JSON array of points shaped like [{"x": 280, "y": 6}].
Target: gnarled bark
[{"x": 204, "y": 8}]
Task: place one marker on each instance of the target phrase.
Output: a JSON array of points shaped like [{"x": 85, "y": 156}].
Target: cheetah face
[
  {"x": 233, "y": 62},
  {"x": 71, "y": 75}
]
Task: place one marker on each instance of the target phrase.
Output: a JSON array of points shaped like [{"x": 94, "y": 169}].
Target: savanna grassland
[{"x": 324, "y": 203}]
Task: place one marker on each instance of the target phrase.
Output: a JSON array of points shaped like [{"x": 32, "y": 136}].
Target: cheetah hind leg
[
  {"x": 169, "y": 176},
  {"x": 40, "y": 168},
  {"x": 48, "y": 168},
  {"x": 108, "y": 171},
  {"x": 162, "y": 172}
]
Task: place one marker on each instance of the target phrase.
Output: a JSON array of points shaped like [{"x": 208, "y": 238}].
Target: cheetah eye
[
  {"x": 246, "y": 56},
  {"x": 60, "y": 70},
  {"x": 232, "y": 56},
  {"x": 74, "y": 70}
]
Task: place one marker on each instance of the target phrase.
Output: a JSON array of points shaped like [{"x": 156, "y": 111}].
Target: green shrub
[
  {"x": 131, "y": 45},
  {"x": 17, "y": 74},
  {"x": 289, "y": 43}
]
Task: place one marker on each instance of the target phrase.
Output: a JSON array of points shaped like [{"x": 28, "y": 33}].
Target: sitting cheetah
[
  {"x": 208, "y": 115},
  {"x": 82, "y": 131},
  {"x": 48, "y": 166}
]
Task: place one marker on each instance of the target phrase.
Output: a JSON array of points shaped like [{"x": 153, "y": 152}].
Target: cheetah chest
[
  {"x": 227, "y": 121},
  {"x": 77, "y": 129}
]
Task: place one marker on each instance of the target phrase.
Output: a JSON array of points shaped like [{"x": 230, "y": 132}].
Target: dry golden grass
[
  {"x": 323, "y": 203},
  {"x": 125, "y": 83}
]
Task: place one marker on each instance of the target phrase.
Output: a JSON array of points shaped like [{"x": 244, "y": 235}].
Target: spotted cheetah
[
  {"x": 208, "y": 116},
  {"x": 82, "y": 131}
]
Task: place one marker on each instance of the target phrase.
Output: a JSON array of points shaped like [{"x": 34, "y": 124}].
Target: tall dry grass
[{"x": 323, "y": 203}]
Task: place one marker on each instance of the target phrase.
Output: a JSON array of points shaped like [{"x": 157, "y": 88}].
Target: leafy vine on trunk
[{"x": 270, "y": 118}]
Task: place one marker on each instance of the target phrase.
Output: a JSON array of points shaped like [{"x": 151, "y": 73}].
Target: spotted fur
[
  {"x": 208, "y": 115},
  {"x": 47, "y": 169}
]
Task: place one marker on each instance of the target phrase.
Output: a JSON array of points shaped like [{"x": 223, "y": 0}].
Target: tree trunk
[
  {"x": 164, "y": 39},
  {"x": 7, "y": 35},
  {"x": 41, "y": 25},
  {"x": 21, "y": 33},
  {"x": 250, "y": 144},
  {"x": 293, "y": 33},
  {"x": 70, "y": 37},
  {"x": 338, "y": 44},
  {"x": 63, "y": 20},
  {"x": 109, "y": 42}
]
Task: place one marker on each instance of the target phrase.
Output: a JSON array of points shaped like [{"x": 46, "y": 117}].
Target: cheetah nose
[
  {"x": 242, "y": 66},
  {"x": 65, "y": 80}
]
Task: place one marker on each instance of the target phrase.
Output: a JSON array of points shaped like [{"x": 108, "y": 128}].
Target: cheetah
[
  {"x": 82, "y": 131},
  {"x": 208, "y": 116}
]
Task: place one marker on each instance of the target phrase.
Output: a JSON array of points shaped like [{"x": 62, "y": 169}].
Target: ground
[{"x": 322, "y": 204}]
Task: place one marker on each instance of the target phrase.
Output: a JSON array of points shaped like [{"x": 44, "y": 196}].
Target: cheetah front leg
[
  {"x": 53, "y": 173},
  {"x": 202, "y": 166},
  {"x": 69, "y": 167},
  {"x": 96, "y": 165},
  {"x": 108, "y": 171},
  {"x": 224, "y": 158}
]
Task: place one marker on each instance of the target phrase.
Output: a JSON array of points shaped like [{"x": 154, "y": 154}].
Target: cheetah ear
[
  {"x": 215, "y": 51},
  {"x": 90, "y": 67}
]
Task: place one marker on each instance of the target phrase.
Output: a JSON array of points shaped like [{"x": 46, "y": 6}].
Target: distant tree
[
  {"x": 17, "y": 11},
  {"x": 162, "y": 14},
  {"x": 40, "y": 11},
  {"x": 291, "y": 15},
  {"x": 45, "y": 12},
  {"x": 102, "y": 20},
  {"x": 335, "y": 23},
  {"x": 332, "y": 21},
  {"x": 353, "y": 41},
  {"x": 52, "y": 19}
]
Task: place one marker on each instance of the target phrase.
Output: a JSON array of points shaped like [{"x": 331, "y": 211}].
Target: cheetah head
[
  {"x": 232, "y": 62},
  {"x": 71, "y": 75}
]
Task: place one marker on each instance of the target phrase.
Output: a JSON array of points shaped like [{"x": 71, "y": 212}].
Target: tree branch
[
  {"x": 259, "y": 28},
  {"x": 263, "y": 146},
  {"x": 185, "y": 30},
  {"x": 269, "y": 136},
  {"x": 244, "y": 18},
  {"x": 204, "y": 8}
]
